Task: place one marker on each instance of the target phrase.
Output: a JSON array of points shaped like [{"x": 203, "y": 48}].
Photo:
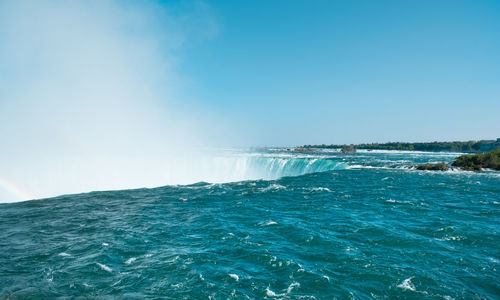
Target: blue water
[{"x": 362, "y": 226}]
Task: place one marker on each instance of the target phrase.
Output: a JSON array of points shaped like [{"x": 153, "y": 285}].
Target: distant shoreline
[{"x": 455, "y": 146}]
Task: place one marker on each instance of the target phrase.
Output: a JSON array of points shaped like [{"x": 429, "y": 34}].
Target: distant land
[
  {"x": 468, "y": 146},
  {"x": 471, "y": 162}
]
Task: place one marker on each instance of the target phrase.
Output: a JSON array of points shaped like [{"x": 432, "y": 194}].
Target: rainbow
[{"x": 14, "y": 189}]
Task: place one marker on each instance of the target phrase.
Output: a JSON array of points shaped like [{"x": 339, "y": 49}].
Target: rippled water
[{"x": 365, "y": 228}]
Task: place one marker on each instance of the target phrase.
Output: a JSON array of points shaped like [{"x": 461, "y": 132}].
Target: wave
[
  {"x": 252, "y": 166},
  {"x": 276, "y": 167}
]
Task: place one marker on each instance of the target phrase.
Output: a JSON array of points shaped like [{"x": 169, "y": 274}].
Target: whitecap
[
  {"x": 105, "y": 268},
  {"x": 268, "y": 223},
  {"x": 130, "y": 260},
  {"x": 407, "y": 284},
  {"x": 396, "y": 201},
  {"x": 234, "y": 276},
  {"x": 355, "y": 167},
  {"x": 292, "y": 286},
  {"x": 450, "y": 238},
  {"x": 229, "y": 235},
  {"x": 270, "y": 293},
  {"x": 273, "y": 187},
  {"x": 365, "y": 167},
  {"x": 320, "y": 189}
]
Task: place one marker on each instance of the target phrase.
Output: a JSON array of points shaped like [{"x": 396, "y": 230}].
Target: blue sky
[
  {"x": 299, "y": 72},
  {"x": 255, "y": 73}
]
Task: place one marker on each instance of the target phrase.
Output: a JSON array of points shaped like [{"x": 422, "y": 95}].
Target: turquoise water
[{"x": 362, "y": 226}]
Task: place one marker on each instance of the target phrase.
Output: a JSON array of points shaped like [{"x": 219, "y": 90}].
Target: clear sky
[
  {"x": 297, "y": 72},
  {"x": 278, "y": 72},
  {"x": 104, "y": 94}
]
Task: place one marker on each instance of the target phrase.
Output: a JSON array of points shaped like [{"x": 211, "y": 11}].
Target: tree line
[{"x": 469, "y": 146}]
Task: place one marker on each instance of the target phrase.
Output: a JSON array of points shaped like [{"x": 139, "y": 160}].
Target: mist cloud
[{"x": 87, "y": 97}]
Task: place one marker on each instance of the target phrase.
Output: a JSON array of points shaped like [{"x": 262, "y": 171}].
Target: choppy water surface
[{"x": 362, "y": 226}]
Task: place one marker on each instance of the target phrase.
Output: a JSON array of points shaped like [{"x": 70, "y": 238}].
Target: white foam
[
  {"x": 349, "y": 249},
  {"x": 292, "y": 286},
  {"x": 450, "y": 238},
  {"x": 234, "y": 276},
  {"x": 407, "y": 284},
  {"x": 320, "y": 189},
  {"x": 396, "y": 201},
  {"x": 273, "y": 187},
  {"x": 229, "y": 235},
  {"x": 105, "y": 268},
  {"x": 364, "y": 167},
  {"x": 269, "y": 223},
  {"x": 130, "y": 260},
  {"x": 270, "y": 293}
]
